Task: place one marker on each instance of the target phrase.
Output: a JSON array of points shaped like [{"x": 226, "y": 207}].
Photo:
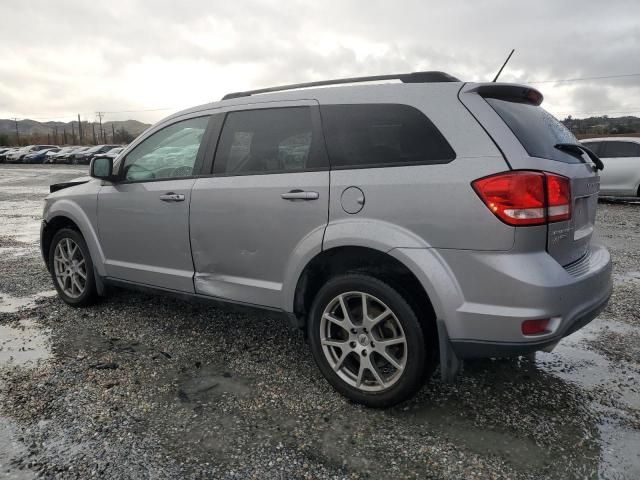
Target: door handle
[
  {"x": 172, "y": 197},
  {"x": 300, "y": 195}
]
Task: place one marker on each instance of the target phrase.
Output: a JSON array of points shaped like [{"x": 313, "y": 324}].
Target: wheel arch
[
  {"x": 377, "y": 263},
  {"x": 63, "y": 213}
]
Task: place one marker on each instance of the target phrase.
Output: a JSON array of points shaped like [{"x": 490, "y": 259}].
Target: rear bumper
[
  {"x": 483, "y": 297},
  {"x": 485, "y": 349}
]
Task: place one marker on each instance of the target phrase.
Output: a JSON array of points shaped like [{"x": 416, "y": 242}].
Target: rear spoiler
[{"x": 508, "y": 91}]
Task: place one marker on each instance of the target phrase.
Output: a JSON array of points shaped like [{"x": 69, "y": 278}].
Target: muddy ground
[{"x": 148, "y": 387}]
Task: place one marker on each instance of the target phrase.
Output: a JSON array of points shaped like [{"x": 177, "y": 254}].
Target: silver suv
[{"x": 402, "y": 225}]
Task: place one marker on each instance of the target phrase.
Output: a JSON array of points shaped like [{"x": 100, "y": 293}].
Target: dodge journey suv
[{"x": 404, "y": 226}]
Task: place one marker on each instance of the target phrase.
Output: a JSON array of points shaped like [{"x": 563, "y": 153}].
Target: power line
[{"x": 581, "y": 79}]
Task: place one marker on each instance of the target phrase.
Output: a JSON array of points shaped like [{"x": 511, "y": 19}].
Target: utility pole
[
  {"x": 113, "y": 132},
  {"x": 93, "y": 126},
  {"x": 100, "y": 114},
  {"x": 79, "y": 129},
  {"x": 73, "y": 134},
  {"x": 17, "y": 132}
]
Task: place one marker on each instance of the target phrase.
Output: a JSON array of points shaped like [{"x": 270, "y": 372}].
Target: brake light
[{"x": 523, "y": 197}]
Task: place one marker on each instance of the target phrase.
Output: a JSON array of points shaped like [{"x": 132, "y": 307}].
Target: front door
[
  {"x": 266, "y": 203},
  {"x": 143, "y": 219}
]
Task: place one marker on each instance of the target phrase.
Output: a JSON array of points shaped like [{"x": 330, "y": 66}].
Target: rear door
[
  {"x": 265, "y": 204},
  {"x": 527, "y": 135},
  {"x": 622, "y": 167}
]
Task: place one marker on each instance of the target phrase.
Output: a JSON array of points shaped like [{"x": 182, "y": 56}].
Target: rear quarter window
[
  {"x": 379, "y": 135},
  {"x": 537, "y": 130}
]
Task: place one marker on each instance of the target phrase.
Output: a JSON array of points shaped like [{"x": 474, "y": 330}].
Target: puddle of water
[
  {"x": 23, "y": 345},
  {"x": 11, "y": 448},
  {"x": 15, "y": 252},
  {"x": 9, "y": 304},
  {"x": 571, "y": 361},
  {"x": 619, "y": 278}
]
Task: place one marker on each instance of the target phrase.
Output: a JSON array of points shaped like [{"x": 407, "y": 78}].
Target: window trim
[
  {"x": 388, "y": 164},
  {"x": 316, "y": 131},
  {"x": 197, "y": 165}
]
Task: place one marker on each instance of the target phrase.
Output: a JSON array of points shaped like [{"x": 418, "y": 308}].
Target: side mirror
[{"x": 102, "y": 168}]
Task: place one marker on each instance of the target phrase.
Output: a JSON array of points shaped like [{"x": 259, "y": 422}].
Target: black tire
[
  {"x": 419, "y": 362},
  {"x": 89, "y": 295}
]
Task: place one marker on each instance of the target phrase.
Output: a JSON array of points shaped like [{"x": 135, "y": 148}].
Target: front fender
[{"x": 81, "y": 210}]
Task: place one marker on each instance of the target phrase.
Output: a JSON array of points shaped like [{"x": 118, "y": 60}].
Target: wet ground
[{"x": 148, "y": 387}]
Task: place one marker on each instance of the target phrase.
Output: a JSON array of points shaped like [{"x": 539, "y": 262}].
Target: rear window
[
  {"x": 619, "y": 149},
  {"x": 537, "y": 130},
  {"x": 377, "y": 135}
]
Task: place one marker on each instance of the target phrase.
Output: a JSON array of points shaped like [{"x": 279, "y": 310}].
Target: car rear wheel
[
  {"x": 368, "y": 341},
  {"x": 71, "y": 268}
]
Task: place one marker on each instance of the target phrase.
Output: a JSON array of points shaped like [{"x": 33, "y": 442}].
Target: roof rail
[{"x": 415, "y": 77}]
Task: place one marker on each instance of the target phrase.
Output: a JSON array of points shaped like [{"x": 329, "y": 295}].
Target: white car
[{"x": 621, "y": 159}]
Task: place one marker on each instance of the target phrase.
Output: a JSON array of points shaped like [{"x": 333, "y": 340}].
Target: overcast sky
[{"x": 61, "y": 57}]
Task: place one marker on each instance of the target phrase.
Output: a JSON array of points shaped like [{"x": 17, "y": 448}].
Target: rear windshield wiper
[{"x": 580, "y": 149}]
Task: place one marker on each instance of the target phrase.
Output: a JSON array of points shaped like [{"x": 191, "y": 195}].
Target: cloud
[{"x": 60, "y": 58}]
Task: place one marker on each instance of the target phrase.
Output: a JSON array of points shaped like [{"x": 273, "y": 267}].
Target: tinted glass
[
  {"x": 620, "y": 149},
  {"x": 595, "y": 147},
  {"x": 168, "y": 153},
  {"x": 373, "y": 135},
  {"x": 271, "y": 140},
  {"x": 537, "y": 130}
]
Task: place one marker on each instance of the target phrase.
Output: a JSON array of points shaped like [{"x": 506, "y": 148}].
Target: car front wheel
[
  {"x": 368, "y": 341},
  {"x": 71, "y": 268}
]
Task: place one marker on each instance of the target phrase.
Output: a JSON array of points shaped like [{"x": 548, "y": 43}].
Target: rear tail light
[
  {"x": 535, "y": 327},
  {"x": 558, "y": 198},
  {"x": 526, "y": 197}
]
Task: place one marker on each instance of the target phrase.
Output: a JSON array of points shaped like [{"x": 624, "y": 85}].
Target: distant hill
[
  {"x": 595, "y": 126},
  {"x": 32, "y": 131}
]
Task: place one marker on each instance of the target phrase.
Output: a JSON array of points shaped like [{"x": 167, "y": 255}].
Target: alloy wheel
[
  {"x": 70, "y": 268},
  {"x": 363, "y": 341}
]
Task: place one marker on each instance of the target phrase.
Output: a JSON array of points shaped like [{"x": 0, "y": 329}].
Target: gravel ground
[{"x": 149, "y": 387}]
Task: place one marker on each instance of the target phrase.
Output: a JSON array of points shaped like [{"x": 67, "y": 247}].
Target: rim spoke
[
  {"x": 388, "y": 342},
  {"x": 329, "y": 342},
  {"x": 340, "y": 361},
  {"x": 374, "y": 321},
  {"x": 372, "y": 368},
  {"x": 75, "y": 283},
  {"x": 365, "y": 310},
  {"x": 389, "y": 358},
  {"x": 80, "y": 262},
  {"x": 360, "y": 374},
  {"x": 345, "y": 312},
  {"x": 82, "y": 274}
]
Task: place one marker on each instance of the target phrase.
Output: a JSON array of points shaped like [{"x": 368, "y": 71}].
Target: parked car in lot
[
  {"x": 51, "y": 155},
  {"x": 621, "y": 157},
  {"x": 65, "y": 157},
  {"x": 18, "y": 155},
  {"x": 39, "y": 156},
  {"x": 401, "y": 225},
  {"x": 4, "y": 152},
  {"x": 84, "y": 157}
]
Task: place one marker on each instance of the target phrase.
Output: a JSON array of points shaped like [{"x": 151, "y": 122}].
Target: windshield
[{"x": 537, "y": 130}]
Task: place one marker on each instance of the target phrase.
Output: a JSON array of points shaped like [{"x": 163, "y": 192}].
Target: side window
[
  {"x": 273, "y": 140},
  {"x": 595, "y": 147},
  {"x": 621, "y": 149},
  {"x": 168, "y": 153},
  {"x": 371, "y": 135}
]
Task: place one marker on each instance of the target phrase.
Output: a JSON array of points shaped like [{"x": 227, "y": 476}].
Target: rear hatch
[{"x": 527, "y": 135}]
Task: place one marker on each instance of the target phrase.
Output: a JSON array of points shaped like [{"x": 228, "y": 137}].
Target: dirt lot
[{"x": 148, "y": 387}]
